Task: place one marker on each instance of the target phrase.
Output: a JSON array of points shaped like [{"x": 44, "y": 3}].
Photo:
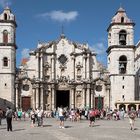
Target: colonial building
[
  {"x": 64, "y": 72},
  {"x": 7, "y": 57},
  {"x": 121, "y": 57},
  {"x": 60, "y": 72}
]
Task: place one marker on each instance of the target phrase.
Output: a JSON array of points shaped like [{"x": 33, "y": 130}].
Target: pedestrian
[
  {"x": 9, "y": 114},
  {"x": 132, "y": 116},
  {"x": 61, "y": 116},
  {"x": 19, "y": 113},
  {"x": 40, "y": 115},
  {"x": 122, "y": 113},
  {"x": 1, "y": 115},
  {"x": 32, "y": 118},
  {"x": 92, "y": 115}
]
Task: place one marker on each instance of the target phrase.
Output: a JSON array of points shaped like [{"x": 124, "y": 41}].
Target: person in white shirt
[
  {"x": 61, "y": 116},
  {"x": 40, "y": 117}
]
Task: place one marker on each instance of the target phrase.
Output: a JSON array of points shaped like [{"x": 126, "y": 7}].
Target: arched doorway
[
  {"x": 99, "y": 102},
  {"x": 130, "y": 106},
  {"x": 122, "y": 106},
  {"x": 26, "y": 103},
  {"x": 62, "y": 98}
]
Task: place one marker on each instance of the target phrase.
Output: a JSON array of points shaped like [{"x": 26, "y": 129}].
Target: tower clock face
[{"x": 62, "y": 59}]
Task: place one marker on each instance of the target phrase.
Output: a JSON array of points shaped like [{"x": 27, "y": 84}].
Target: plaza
[{"x": 102, "y": 130}]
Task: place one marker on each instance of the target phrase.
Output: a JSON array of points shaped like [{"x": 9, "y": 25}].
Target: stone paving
[{"x": 103, "y": 130}]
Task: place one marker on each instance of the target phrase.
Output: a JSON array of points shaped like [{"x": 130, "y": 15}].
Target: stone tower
[
  {"x": 7, "y": 55},
  {"x": 121, "y": 58}
]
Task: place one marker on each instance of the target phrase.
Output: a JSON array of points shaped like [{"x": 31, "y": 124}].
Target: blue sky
[{"x": 84, "y": 21}]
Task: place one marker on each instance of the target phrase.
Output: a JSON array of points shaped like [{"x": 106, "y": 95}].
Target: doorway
[
  {"x": 99, "y": 102},
  {"x": 26, "y": 103},
  {"x": 62, "y": 98}
]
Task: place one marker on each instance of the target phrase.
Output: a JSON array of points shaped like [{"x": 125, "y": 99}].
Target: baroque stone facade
[
  {"x": 60, "y": 72},
  {"x": 64, "y": 72}
]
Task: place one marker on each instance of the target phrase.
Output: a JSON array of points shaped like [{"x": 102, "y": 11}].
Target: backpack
[
  {"x": 132, "y": 116},
  {"x": 92, "y": 114}
]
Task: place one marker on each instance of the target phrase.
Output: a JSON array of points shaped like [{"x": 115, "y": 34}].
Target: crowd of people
[{"x": 62, "y": 114}]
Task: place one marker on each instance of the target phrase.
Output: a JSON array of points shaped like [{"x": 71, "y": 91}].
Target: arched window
[
  {"x": 5, "y": 36},
  {"x": 26, "y": 87},
  {"x": 108, "y": 60},
  {"x": 79, "y": 71},
  {"x": 122, "y": 37},
  {"x": 5, "y": 61},
  {"x": 122, "y": 64},
  {"x": 5, "y": 16},
  {"x": 122, "y": 19}
]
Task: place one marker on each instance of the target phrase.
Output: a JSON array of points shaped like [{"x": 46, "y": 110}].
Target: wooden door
[
  {"x": 26, "y": 103},
  {"x": 99, "y": 102}
]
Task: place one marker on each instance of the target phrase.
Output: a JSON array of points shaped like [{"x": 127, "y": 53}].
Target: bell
[
  {"x": 122, "y": 38},
  {"x": 122, "y": 66}
]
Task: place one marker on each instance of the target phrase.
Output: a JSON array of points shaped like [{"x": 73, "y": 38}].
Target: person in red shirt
[{"x": 92, "y": 115}]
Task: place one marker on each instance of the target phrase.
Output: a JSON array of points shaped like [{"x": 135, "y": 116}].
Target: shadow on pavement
[
  {"x": 34, "y": 133},
  {"x": 18, "y": 129},
  {"x": 68, "y": 126},
  {"x": 47, "y": 125},
  {"x": 95, "y": 125},
  {"x": 2, "y": 128},
  {"x": 136, "y": 129}
]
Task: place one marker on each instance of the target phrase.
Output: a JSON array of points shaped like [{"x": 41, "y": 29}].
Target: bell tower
[
  {"x": 7, "y": 55},
  {"x": 121, "y": 57}
]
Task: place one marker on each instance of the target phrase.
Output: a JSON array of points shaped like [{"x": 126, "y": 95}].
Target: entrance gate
[
  {"x": 62, "y": 98},
  {"x": 26, "y": 103}
]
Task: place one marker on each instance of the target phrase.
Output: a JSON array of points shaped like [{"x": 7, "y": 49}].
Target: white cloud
[
  {"x": 60, "y": 15},
  {"x": 99, "y": 48},
  {"x": 25, "y": 53},
  {"x": 4, "y": 3}
]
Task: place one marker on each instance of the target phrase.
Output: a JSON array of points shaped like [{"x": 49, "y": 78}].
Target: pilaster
[{"x": 37, "y": 95}]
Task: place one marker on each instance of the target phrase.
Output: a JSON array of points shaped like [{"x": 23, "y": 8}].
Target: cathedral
[{"x": 67, "y": 73}]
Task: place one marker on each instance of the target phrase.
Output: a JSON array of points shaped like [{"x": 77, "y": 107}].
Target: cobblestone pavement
[{"x": 103, "y": 130}]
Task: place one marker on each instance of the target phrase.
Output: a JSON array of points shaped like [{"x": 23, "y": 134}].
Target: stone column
[
  {"x": 17, "y": 97},
  {"x": 108, "y": 98},
  {"x": 73, "y": 67},
  {"x": 33, "y": 98},
  {"x": 91, "y": 97},
  {"x": 37, "y": 96},
  {"x": 20, "y": 100},
  {"x": 84, "y": 96},
  {"x": 118, "y": 106},
  {"x": 137, "y": 107},
  {"x": 126, "y": 107},
  {"x": 53, "y": 97},
  {"x": 87, "y": 67},
  {"x": 72, "y": 98},
  {"x": 38, "y": 65},
  {"x": 42, "y": 96},
  {"x": 84, "y": 66},
  {"x": 53, "y": 68},
  {"x": 88, "y": 96},
  {"x": 41, "y": 65}
]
